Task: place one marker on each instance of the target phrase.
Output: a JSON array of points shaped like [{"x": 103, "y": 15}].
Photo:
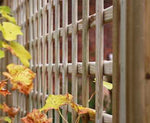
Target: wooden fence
[
  {"x": 47, "y": 32},
  {"x": 43, "y": 31}
]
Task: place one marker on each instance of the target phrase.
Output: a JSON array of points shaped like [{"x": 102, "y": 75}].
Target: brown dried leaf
[
  {"x": 84, "y": 110},
  {"x": 10, "y": 111},
  {"x": 36, "y": 117},
  {"x": 3, "y": 91}
]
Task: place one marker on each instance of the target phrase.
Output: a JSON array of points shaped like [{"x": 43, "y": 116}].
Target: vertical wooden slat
[
  {"x": 99, "y": 60},
  {"x": 39, "y": 54},
  {"x": 135, "y": 78},
  {"x": 120, "y": 115},
  {"x": 50, "y": 50},
  {"x": 147, "y": 61},
  {"x": 65, "y": 53},
  {"x": 74, "y": 54},
  {"x": 116, "y": 68},
  {"x": 57, "y": 51},
  {"x": 44, "y": 42},
  {"x": 34, "y": 50},
  {"x": 85, "y": 54},
  {"x": 30, "y": 50}
]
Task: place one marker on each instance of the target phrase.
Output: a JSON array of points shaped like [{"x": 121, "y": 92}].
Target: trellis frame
[{"x": 35, "y": 24}]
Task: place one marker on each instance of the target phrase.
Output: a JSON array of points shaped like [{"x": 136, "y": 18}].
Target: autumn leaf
[
  {"x": 6, "y": 13},
  {"x": 36, "y": 117},
  {"x": 10, "y": 111},
  {"x": 5, "y": 9},
  {"x": 7, "y": 119},
  {"x": 2, "y": 54},
  {"x": 8, "y": 17},
  {"x": 56, "y": 101},
  {"x": 84, "y": 110},
  {"x": 18, "y": 50},
  {"x": 10, "y": 31},
  {"x": 3, "y": 91},
  {"x": 20, "y": 77},
  {"x": 107, "y": 85}
]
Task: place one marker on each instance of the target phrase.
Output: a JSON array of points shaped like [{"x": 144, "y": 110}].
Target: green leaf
[
  {"x": 108, "y": 85},
  {"x": 10, "y": 31},
  {"x": 2, "y": 54},
  {"x": 5, "y": 9},
  {"x": 18, "y": 50}
]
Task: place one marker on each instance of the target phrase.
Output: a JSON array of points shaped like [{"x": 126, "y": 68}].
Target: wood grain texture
[
  {"x": 135, "y": 78},
  {"x": 99, "y": 60},
  {"x": 50, "y": 52},
  {"x": 65, "y": 54},
  {"x": 116, "y": 60},
  {"x": 57, "y": 53},
  {"x": 147, "y": 60},
  {"x": 74, "y": 54}
]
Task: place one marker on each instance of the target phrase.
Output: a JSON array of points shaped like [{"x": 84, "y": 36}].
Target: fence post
[
  {"x": 147, "y": 61},
  {"x": 116, "y": 68},
  {"x": 135, "y": 81}
]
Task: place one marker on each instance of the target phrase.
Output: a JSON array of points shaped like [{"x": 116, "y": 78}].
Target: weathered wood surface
[
  {"x": 99, "y": 60},
  {"x": 135, "y": 68},
  {"x": 116, "y": 60}
]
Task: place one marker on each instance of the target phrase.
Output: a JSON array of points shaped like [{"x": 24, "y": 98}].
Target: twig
[
  {"x": 78, "y": 119},
  {"x": 62, "y": 116},
  {"x": 91, "y": 96}
]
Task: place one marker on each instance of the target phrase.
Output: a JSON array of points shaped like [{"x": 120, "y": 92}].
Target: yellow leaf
[
  {"x": 2, "y": 54},
  {"x": 84, "y": 110},
  {"x": 18, "y": 50},
  {"x": 20, "y": 77},
  {"x": 5, "y": 9},
  {"x": 7, "y": 119},
  {"x": 1, "y": 106},
  {"x": 10, "y": 31},
  {"x": 108, "y": 85},
  {"x": 56, "y": 101},
  {"x": 9, "y": 18}
]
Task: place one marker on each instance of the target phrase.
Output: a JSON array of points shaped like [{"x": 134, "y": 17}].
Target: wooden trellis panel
[{"x": 45, "y": 25}]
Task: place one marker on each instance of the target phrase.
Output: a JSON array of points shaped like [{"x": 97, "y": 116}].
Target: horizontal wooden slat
[
  {"x": 107, "y": 67},
  {"x": 107, "y": 18}
]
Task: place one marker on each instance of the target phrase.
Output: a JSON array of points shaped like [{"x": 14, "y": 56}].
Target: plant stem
[{"x": 62, "y": 116}]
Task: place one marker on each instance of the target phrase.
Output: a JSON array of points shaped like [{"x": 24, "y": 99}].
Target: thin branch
[
  {"x": 78, "y": 119},
  {"x": 91, "y": 96},
  {"x": 62, "y": 116}
]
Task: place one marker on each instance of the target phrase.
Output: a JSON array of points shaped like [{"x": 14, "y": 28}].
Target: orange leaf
[
  {"x": 20, "y": 77},
  {"x": 3, "y": 91},
  {"x": 36, "y": 117},
  {"x": 10, "y": 111}
]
